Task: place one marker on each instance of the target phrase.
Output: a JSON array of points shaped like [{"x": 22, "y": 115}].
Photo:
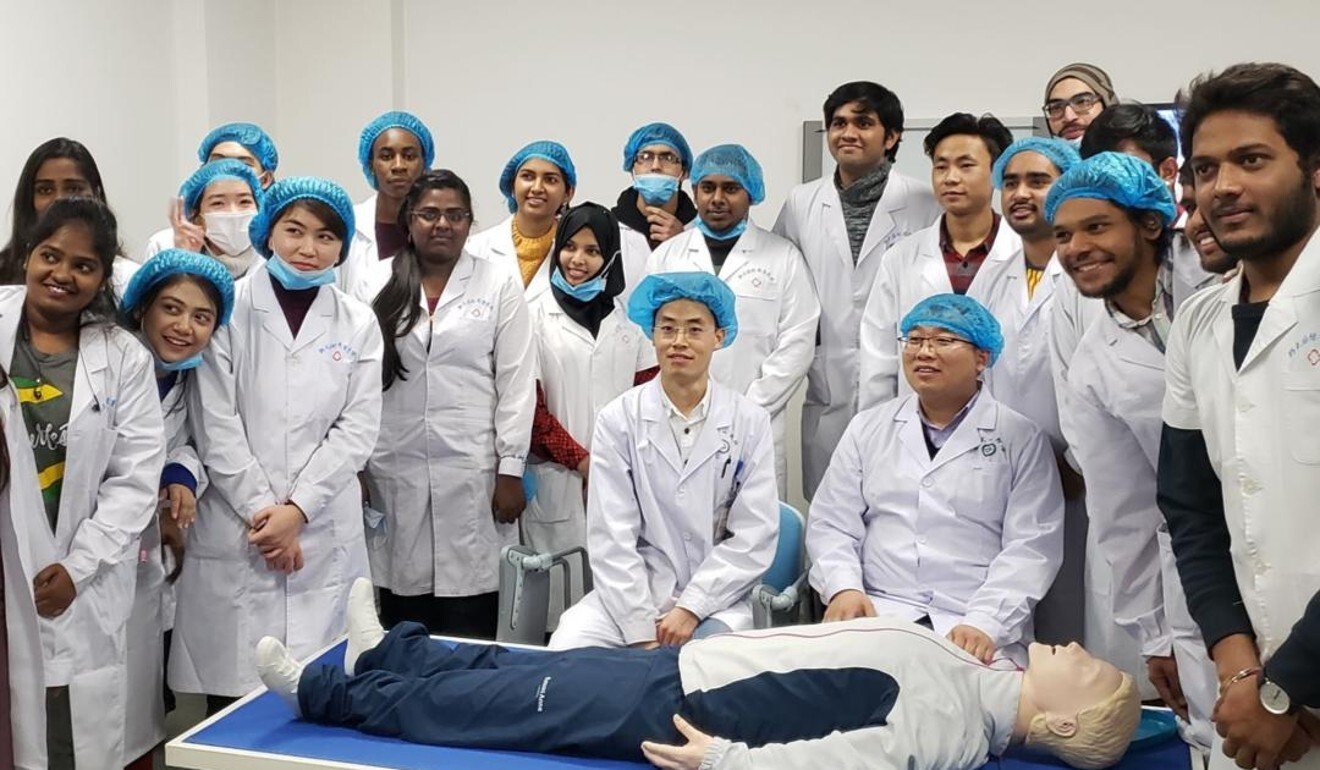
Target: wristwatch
[{"x": 1273, "y": 698}]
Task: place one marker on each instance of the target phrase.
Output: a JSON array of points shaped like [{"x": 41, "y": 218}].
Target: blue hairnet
[
  {"x": 656, "y": 133},
  {"x": 405, "y": 120},
  {"x": 194, "y": 187},
  {"x": 546, "y": 150},
  {"x": 1056, "y": 151},
  {"x": 249, "y": 135},
  {"x": 656, "y": 290},
  {"x": 287, "y": 191},
  {"x": 1125, "y": 181},
  {"x": 731, "y": 160},
  {"x": 171, "y": 262},
  {"x": 961, "y": 315}
]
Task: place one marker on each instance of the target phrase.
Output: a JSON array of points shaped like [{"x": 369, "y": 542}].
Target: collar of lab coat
[
  {"x": 935, "y": 274},
  {"x": 1128, "y": 344},
  {"x": 88, "y": 388},
  {"x": 698, "y": 252},
  {"x": 655, "y": 415},
  {"x": 455, "y": 287},
  {"x": 499, "y": 243},
  {"x": 1304, "y": 278},
  {"x": 892, "y": 200},
  {"x": 364, "y": 221},
  {"x": 315, "y": 324},
  {"x": 970, "y": 434}
]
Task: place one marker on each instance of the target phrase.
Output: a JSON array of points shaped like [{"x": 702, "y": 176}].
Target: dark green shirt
[{"x": 45, "y": 392}]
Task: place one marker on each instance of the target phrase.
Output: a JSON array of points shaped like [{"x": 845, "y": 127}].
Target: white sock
[
  {"x": 279, "y": 671},
  {"x": 364, "y": 628}
]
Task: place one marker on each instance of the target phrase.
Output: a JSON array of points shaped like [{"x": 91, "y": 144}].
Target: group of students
[{"x": 348, "y": 391}]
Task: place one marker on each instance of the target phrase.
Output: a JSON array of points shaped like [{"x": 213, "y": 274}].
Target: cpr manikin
[{"x": 745, "y": 699}]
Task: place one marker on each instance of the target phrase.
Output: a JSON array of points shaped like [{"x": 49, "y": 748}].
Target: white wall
[{"x": 140, "y": 81}]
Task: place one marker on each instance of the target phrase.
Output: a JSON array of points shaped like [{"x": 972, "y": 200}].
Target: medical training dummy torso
[
  {"x": 663, "y": 532},
  {"x": 973, "y": 535}
]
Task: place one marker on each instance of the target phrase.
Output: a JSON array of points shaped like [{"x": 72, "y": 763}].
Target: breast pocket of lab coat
[
  {"x": 1301, "y": 402},
  {"x": 757, "y": 305}
]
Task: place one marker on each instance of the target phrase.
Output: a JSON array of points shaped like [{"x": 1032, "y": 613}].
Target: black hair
[
  {"x": 875, "y": 97},
  {"x": 25, "y": 214},
  {"x": 992, "y": 132},
  {"x": 396, "y": 306},
  {"x": 1131, "y": 122},
  {"x": 100, "y": 222},
  {"x": 324, "y": 212},
  {"x": 132, "y": 320},
  {"x": 1162, "y": 243},
  {"x": 4, "y": 442},
  {"x": 1277, "y": 91}
]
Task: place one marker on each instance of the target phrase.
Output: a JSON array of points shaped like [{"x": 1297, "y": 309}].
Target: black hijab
[{"x": 605, "y": 227}]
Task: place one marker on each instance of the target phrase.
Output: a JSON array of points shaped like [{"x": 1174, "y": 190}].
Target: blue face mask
[
  {"x": 655, "y": 189},
  {"x": 191, "y": 362},
  {"x": 588, "y": 289},
  {"x": 727, "y": 235},
  {"x": 294, "y": 279}
]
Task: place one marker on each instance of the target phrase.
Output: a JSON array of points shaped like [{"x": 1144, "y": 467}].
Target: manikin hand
[
  {"x": 686, "y": 757},
  {"x": 849, "y": 604},
  {"x": 675, "y": 627},
  {"x": 663, "y": 224},
  {"x": 509, "y": 500},
  {"x": 1163, "y": 673},
  {"x": 974, "y": 641},
  {"x": 187, "y": 236},
  {"x": 53, "y": 590}
]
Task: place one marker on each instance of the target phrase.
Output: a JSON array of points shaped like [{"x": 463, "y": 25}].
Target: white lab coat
[
  {"x": 495, "y": 245},
  {"x": 652, "y": 519},
  {"x": 777, "y": 315},
  {"x": 153, "y": 598},
  {"x": 1117, "y": 383},
  {"x": 463, "y": 415},
  {"x": 635, "y": 251},
  {"x": 913, "y": 270},
  {"x": 1257, "y": 421},
  {"x": 116, "y": 450},
  {"x": 275, "y": 419},
  {"x": 971, "y": 536},
  {"x": 363, "y": 273},
  {"x": 579, "y": 375},
  {"x": 158, "y": 242},
  {"x": 27, "y": 688},
  {"x": 812, "y": 218}
]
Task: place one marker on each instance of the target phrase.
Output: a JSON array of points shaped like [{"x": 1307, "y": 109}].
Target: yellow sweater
[{"x": 531, "y": 251}]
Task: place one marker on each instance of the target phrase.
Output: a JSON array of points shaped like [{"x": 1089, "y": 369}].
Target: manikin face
[
  {"x": 1068, "y": 680},
  {"x": 685, "y": 338},
  {"x": 180, "y": 321},
  {"x": 940, "y": 364}
]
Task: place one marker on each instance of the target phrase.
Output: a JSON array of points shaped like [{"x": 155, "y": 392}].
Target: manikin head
[
  {"x": 688, "y": 317},
  {"x": 948, "y": 341},
  {"x": 1081, "y": 709}
]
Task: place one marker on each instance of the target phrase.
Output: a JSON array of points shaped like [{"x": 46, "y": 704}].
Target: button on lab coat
[
  {"x": 973, "y": 535},
  {"x": 462, "y": 415},
  {"x": 812, "y": 218},
  {"x": 777, "y": 314},
  {"x": 654, "y": 522},
  {"x": 275, "y": 419},
  {"x": 116, "y": 449},
  {"x": 1258, "y": 421}
]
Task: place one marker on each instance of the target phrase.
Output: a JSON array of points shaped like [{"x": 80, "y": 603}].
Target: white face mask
[{"x": 227, "y": 231}]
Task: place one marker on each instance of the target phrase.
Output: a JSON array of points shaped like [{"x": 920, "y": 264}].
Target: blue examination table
[{"x": 259, "y": 733}]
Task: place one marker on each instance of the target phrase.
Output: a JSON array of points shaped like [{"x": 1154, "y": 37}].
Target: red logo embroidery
[{"x": 1314, "y": 357}]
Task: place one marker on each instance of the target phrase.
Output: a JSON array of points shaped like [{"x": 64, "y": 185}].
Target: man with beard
[
  {"x": 1112, "y": 218},
  {"x": 1238, "y": 479},
  {"x": 1213, "y": 257}
]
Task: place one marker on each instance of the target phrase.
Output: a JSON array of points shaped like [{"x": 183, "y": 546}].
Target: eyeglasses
[
  {"x": 666, "y": 158},
  {"x": 938, "y": 344},
  {"x": 1082, "y": 104},
  {"x": 432, "y": 215},
  {"x": 672, "y": 332}
]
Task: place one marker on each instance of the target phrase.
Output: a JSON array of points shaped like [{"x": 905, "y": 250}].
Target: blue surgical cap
[
  {"x": 656, "y": 290},
  {"x": 734, "y": 161},
  {"x": 1056, "y": 151},
  {"x": 656, "y": 133},
  {"x": 546, "y": 150},
  {"x": 961, "y": 315},
  {"x": 249, "y": 135},
  {"x": 288, "y": 191},
  {"x": 171, "y": 262},
  {"x": 194, "y": 187},
  {"x": 1125, "y": 181},
  {"x": 405, "y": 120}
]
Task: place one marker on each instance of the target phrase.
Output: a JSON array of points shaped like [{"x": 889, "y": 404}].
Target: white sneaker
[
  {"x": 364, "y": 628},
  {"x": 279, "y": 671}
]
